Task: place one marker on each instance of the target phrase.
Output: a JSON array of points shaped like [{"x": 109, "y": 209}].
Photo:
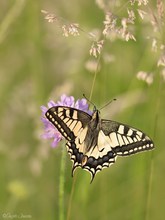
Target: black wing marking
[
  {"x": 68, "y": 121},
  {"x": 126, "y": 140}
]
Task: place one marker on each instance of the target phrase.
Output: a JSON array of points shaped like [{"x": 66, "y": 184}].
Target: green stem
[
  {"x": 71, "y": 197},
  {"x": 150, "y": 180},
  {"x": 158, "y": 95},
  {"x": 61, "y": 184}
]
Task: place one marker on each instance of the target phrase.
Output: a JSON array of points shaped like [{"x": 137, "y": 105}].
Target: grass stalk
[{"x": 62, "y": 184}]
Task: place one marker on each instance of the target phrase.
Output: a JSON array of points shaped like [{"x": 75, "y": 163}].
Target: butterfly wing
[
  {"x": 68, "y": 121},
  {"x": 125, "y": 140}
]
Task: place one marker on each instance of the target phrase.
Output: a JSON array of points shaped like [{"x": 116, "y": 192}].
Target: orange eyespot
[{"x": 84, "y": 160}]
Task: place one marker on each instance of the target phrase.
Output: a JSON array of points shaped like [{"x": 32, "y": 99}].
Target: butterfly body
[{"x": 94, "y": 143}]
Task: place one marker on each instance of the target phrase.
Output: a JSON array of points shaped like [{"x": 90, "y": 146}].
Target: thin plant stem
[
  {"x": 148, "y": 202},
  {"x": 71, "y": 197},
  {"x": 94, "y": 78},
  {"x": 149, "y": 189},
  {"x": 61, "y": 184},
  {"x": 95, "y": 74}
]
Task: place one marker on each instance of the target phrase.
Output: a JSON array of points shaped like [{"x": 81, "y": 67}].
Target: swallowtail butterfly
[{"x": 94, "y": 143}]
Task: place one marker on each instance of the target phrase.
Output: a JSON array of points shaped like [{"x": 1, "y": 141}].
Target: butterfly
[{"x": 94, "y": 143}]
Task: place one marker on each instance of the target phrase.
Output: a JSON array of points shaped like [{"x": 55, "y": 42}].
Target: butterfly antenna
[
  {"x": 108, "y": 103},
  {"x": 89, "y": 101}
]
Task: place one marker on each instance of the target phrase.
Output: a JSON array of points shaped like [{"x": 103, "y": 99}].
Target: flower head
[
  {"x": 71, "y": 29},
  {"x": 50, "y": 131},
  {"x": 96, "y": 47}
]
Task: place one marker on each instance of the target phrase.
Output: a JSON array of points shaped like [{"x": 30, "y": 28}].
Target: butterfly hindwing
[{"x": 93, "y": 161}]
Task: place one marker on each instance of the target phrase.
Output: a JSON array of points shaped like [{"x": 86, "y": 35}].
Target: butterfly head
[{"x": 95, "y": 122}]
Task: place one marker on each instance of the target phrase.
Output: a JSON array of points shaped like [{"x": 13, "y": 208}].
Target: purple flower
[{"x": 50, "y": 131}]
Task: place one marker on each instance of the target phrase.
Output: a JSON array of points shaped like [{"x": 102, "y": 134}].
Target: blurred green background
[{"x": 38, "y": 64}]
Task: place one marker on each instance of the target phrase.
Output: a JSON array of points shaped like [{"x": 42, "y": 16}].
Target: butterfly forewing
[
  {"x": 68, "y": 121},
  {"x": 95, "y": 143},
  {"x": 126, "y": 140}
]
